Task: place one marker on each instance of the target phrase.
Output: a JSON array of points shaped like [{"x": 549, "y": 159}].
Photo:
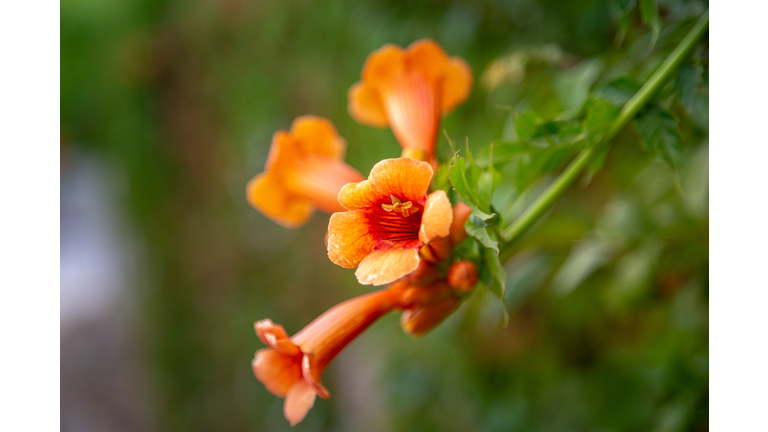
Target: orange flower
[
  {"x": 408, "y": 89},
  {"x": 305, "y": 170},
  {"x": 292, "y": 367},
  {"x": 390, "y": 218}
]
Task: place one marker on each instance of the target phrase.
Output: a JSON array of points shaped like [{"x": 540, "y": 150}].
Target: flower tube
[{"x": 292, "y": 367}]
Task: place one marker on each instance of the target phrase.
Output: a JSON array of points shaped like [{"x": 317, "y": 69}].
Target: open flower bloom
[
  {"x": 292, "y": 367},
  {"x": 408, "y": 90},
  {"x": 390, "y": 218},
  {"x": 305, "y": 170}
]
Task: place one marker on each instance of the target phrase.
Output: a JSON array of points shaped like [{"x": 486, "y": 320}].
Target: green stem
[{"x": 630, "y": 109}]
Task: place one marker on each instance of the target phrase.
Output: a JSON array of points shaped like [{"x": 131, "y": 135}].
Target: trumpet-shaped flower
[
  {"x": 305, "y": 170},
  {"x": 408, "y": 89},
  {"x": 389, "y": 218},
  {"x": 292, "y": 367}
]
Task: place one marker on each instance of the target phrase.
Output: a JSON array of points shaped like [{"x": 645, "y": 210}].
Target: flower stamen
[{"x": 404, "y": 208}]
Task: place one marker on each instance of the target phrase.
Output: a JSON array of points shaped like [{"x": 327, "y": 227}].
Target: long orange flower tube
[
  {"x": 408, "y": 90},
  {"x": 305, "y": 171},
  {"x": 292, "y": 367},
  {"x": 389, "y": 218}
]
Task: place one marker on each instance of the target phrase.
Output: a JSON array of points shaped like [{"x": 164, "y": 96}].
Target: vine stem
[{"x": 628, "y": 111}]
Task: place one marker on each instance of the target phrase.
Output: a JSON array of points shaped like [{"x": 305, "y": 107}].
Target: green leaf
[
  {"x": 600, "y": 115},
  {"x": 596, "y": 164},
  {"x": 485, "y": 189},
  {"x": 572, "y": 86},
  {"x": 464, "y": 181},
  {"x": 526, "y": 124},
  {"x": 492, "y": 273},
  {"x": 625, "y": 8},
  {"x": 661, "y": 136},
  {"x": 440, "y": 179},
  {"x": 504, "y": 151},
  {"x": 619, "y": 91},
  {"x": 693, "y": 93},
  {"x": 649, "y": 11},
  {"x": 481, "y": 223},
  {"x": 483, "y": 235},
  {"x": 457, "y": 174}
]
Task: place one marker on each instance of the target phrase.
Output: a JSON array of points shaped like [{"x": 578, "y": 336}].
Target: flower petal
[
  {"x": 437, "y": 218},
  {"x": 426, "y": 57},
  {"x": 298, "y": 401},
  {"x": 383, "y": 267},
  {"x": 317, "y": 136},
  {"x": 265, "y": 193},
  {"x": 406, "y": 178},
  {"x": 383, "y": 64},
  {"x": 312, "y": 373},
  {"x": 274, "y": 336},
  {"x": 278, "y": 372},
  {"x": 348, "y": 238},
  {"x": 283, "y": 153},
  {"x": 456, "y": 84},
  {"x": 365, "y": 105}
]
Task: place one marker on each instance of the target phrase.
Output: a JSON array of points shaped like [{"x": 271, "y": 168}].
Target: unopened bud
[
  {"x": 461, "y": 213},
  {"x": 437, "y": 251},
  {"x": 419, "y": 321},
  {"x": 417, "y": 296},
  {"x": 425, "y": 274},
  {"x": 462, "y": 276}
]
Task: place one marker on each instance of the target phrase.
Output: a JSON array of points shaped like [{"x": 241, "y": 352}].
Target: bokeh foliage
[{"x": 607, "y": 295}]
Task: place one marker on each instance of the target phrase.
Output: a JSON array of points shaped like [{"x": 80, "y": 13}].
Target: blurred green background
[{"x": 167, "y": 110}]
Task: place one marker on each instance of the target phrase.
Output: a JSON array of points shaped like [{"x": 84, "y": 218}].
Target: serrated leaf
[
  {"x": 596, "y": 164},
  {"x": 440, "y": 179},
  {"x": 526, "y": 124},
  {"x": 693, "y": 93},
  {"x": 485, "y": 189},
  {"x": 492, "y": 273},
  {"x": 464, "y": 182},
  {"x": 572, "y": 86},
  {"x": 619, "y": 91},
  {"x": 506, "y": 150},
  {"x": 600, "y": 115},
  {"x": 458, "y": 177},
  {"x": 649, "y": 11},
  {"x": 661, "y": 136},
  {"x": 483, "y": 235},
  {"x": 481, "y": 223},
  {"x": 508, "y": 131}
]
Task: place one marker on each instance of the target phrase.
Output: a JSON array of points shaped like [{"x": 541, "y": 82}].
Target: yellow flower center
[{"x": 404, "y": 208}]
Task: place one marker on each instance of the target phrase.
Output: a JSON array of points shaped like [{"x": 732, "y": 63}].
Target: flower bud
[
  {"x": 461, "y": 213},
  {"x": 419, "y": 321},
  {"x": 436, "y": 252},
  {"x": 462, "y": 276}
]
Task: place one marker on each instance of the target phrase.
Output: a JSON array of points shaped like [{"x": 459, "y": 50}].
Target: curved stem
[{"x": 630, "y": 109}]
